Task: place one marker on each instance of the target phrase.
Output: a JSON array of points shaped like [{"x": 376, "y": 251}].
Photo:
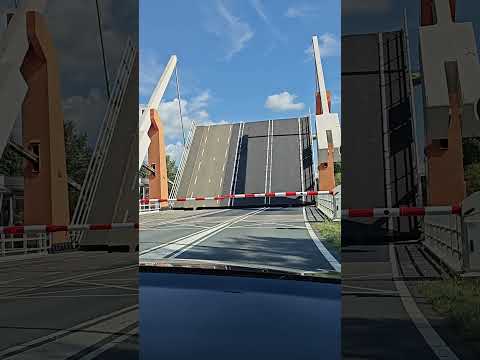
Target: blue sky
[{"x": 238, "y": 60}]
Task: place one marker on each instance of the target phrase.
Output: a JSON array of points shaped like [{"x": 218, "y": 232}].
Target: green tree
[
  {"x": 171, "y": 171},
  {"x": 337, "y": 169},
  {"x": 472, "y": 178},
  {"x": 78, "y": 153},
  {"x": 11, "y": 164}
]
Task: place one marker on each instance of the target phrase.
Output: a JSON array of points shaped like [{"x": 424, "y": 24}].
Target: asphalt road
[
  {"x": 384, "y": 316},
  {"x": 74, "y": 304},
  {"x": 265, "y": 236}
]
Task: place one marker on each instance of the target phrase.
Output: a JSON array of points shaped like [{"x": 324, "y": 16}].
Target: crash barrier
[
  {"x": 156, "y": 204},
  {"x": 13, "y": 244},
  {"x": 450, "y": 233},
  {"x": 329, "y": 204},
  {"x": 16, "y": 240}
]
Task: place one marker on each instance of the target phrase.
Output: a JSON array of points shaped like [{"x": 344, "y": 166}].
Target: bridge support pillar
[
  {"x": 158, "y": 186},
  {"x": 326, "y": 175},
  {"x": 45, "y": 185}
]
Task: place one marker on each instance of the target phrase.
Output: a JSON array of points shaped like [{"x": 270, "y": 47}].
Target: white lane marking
[
  {"x": 326, "y": 254},
  {"x": 209, "y": 180},
  {"x": 300, "y": 146},
  {"x": 71, "y": 278},
  {"x": 372, "y": 290},
  {"x": 221, "y": 182},
  {"x": 223, "y": 168},
  {"x": 233, "y": 183},
  {"x": 90, "y": 327},
  {"x": 195, "y": 182},
  {"x": 203, "y": 150},
  {"x": 218, "y": 140},
  {"x": 436, "y": 343},
  {"x": 267, "y": 159},
  {"x": 199, "y": 239},
  {"x": 200, "y": 163},
  {"x": 170, "y": 247},
  {"x": 106, "y": 285},
  {"x": 214, "y": 158},
  {"x": 10, "y": 281},
  {"x": 205, "y": 213},
  {"x": 94, "y": 354},
  {"x": 271, "y": 162},
  {"x": 226, "y": 152}
]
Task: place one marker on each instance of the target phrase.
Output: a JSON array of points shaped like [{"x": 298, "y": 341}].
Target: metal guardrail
[
  {"x": 11, "y": 244},
  {"x": 443, "y": 236},
  {"x": 183, "y": 161},
  {"x": 329, "y": 204},
  {"x": 97, "y": 161}
]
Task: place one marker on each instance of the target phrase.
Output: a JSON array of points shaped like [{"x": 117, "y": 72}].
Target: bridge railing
[
  {"x": 450, "y": 233},
  {"x": 443, "y": 237},
  {"x": 330, "y": 205},
  {"x": 17, "y": 244},
  {"x": 183, "y": 161},
  {"x": 456, "y": 239}
]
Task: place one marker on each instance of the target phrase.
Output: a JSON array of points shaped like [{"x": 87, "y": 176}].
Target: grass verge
[
  {"x": 459, "y": 301},
  {"x": 330, "y": 231}
]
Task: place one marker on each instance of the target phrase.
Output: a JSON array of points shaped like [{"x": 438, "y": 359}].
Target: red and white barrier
[
  {"x": 238, "y": 196},
  {"x": 12, "y": 230},
  {"x": 401, "y": 211}
]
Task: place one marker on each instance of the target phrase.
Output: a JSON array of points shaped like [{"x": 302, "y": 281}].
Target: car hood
[{"x": 205, "y": 316}]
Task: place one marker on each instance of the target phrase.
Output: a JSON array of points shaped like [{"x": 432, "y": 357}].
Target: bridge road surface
[
  {"x": 251, "y": 157},
  {"x": 263, "y": 236},
  {"x": 43, "y": 298}
]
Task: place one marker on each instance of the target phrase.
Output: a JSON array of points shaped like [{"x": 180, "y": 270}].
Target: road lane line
[
  {"x": 266, "y": 160},
  {"x": 300, "y": 145},
  {"x": 94, "y": 354},
  {"x": 271, "y": 162},
  {"x": 197, "y": 240},
  {"x": 237, "y": 158},
  {"x": 175, "y": 245},
  {"x": 93, "y": 327},
  {"x": 146, "y": 251},
  {"x": 205, "y": 213},
  {"x": 434, "y": 341},
  {"x": 326, "y": 254},
  {"x": 71, "y": 278}
]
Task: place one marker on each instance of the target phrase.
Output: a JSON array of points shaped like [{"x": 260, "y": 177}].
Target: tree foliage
[
  {"x": 78, "y": 153},
  {"x": 471, "y": 163},
  {"x": 11, "y": 164},
  {"x": 337, "y": 169},
  {"x": 171, "y": 171}
]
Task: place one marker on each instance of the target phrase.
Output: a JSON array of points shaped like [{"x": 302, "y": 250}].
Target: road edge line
[
  {"x": 432, "y": 338},
  {"x": 326, "y": 254}
]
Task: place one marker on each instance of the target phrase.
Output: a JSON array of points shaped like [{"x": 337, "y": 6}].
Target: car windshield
[{"x": 231, "y": 201}]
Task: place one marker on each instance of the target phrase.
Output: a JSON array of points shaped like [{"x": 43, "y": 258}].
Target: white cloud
[
  {"x": 294, "y": 12},
  {"x": 237, "y": 32},
  {"x": 193, "y": 110},
  {"x": 175, "y": 151},
  {"x": 329, "y": 46},
  {"x": 150, "y": 71},
  {"x": 258, "y": 7},
  {"x": 283, "y": 102}
]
